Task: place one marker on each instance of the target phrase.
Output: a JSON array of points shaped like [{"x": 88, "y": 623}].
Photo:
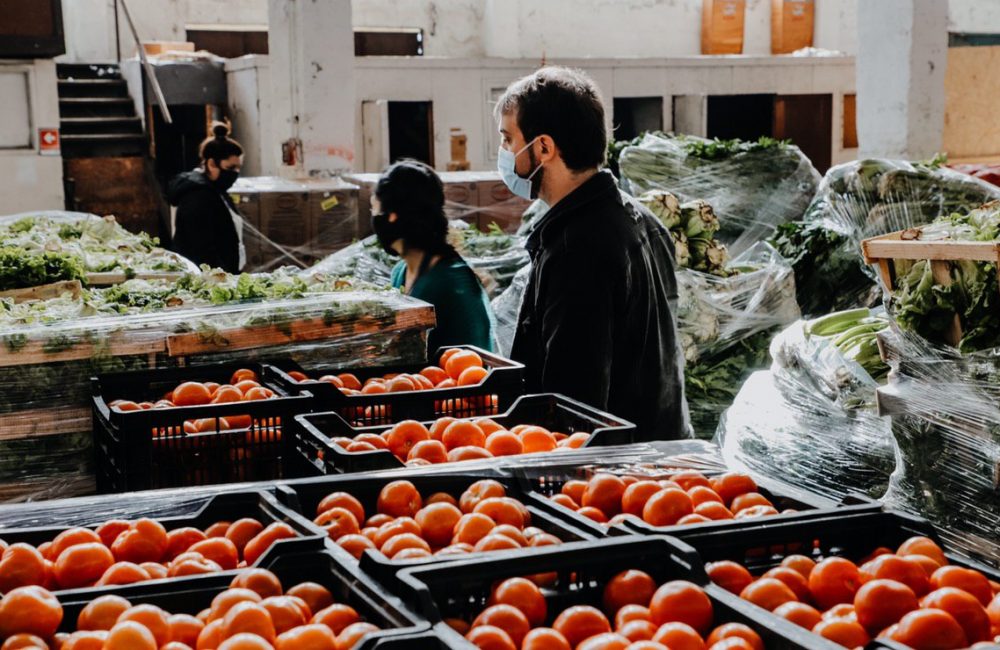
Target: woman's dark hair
[
  {"x": 219, "y": 145},
  {"x": 414, "y": 191},
  {"x": 565, "y": 105}
]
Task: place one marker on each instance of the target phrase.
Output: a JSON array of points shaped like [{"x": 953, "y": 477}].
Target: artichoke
[
  {"x": 682, "y": 255},
  {"x": 699, "y": 219},
  {"x": 717, "y": 256},
  {"x": 664, "y": 207}
]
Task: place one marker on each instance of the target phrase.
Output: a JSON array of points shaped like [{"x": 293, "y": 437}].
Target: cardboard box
[
  {"x": 498, "y": 205},
  {"x": 791, "y": 25},
  {"x": 722, "y": 26},
  {"x": 159, "y": 47},
  {"x": 332, "y": 217}
]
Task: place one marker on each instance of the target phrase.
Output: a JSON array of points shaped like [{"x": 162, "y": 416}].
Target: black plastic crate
[
  {"x": 503, "y": 385},
  {"x": 139, "y": 450},
  {"x": 229, "y": 506},
  {"x": 851, "y": 535},
  {"x": 461, "y": 589},
  {"x": 401, "y": 628},
  {"x": 542, "y": 483},
  {"x": 304, "y": 496},
  {"x": 314, "y": 433}
]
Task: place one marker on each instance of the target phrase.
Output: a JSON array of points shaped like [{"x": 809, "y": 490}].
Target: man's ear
[{"x": 547, "y": 148}]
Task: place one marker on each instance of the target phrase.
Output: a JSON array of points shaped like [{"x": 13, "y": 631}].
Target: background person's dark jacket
[
  {"x": 597, "y": 320},
  {"x": 204, "y": 231}
]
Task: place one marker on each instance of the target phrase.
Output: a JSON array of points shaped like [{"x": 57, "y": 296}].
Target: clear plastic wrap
[
  {"x": 753, "y": 186},
  {"x": 945, "y": 412},
  {"x": 50, "y": 350},
  {"x": 496, "y": 257},
  {"x": 106, "y": 252},
  {"x": 725, "y": 325},
  {"x": 507, "y": 307},
  {"x": 810, "y": 421},
  {"x": 863, "y": 199}
]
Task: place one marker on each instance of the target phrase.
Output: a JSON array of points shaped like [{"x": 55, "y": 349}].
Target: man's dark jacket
[
  {"x": 597, "y": 321},
  {"x": 204, "y": 231}
]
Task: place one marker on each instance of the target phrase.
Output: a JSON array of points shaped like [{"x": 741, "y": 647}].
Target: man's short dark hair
[{"x": 565, "y": 105}]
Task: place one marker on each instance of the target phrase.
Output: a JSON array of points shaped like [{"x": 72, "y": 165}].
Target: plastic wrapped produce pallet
[{"x": 51, "y": 349}]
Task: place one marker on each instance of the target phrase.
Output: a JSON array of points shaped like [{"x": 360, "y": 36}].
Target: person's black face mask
[
  {"x": 226, "y": 178},
  {"x": 386, "y": 231}
]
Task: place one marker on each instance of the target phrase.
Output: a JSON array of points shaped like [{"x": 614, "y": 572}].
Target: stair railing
[{"x": 147, "y": 66}]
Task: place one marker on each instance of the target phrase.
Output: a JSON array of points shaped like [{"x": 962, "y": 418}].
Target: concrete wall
[
  {"x": 474, "y": 28},
  {"x": 974, "y": 16},
  {"x": 462, "y": 90},
  {"x": 29, "y": 181}
]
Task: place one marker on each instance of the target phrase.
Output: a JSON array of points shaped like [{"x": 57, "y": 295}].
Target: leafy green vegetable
[
  {"x": 922, "y": 305},
  {"x": 717, "y": 149},
  {"x": 20, "y": 268}
]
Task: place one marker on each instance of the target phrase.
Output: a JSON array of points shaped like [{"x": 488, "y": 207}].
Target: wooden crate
[{"x": 904, "y": 245}]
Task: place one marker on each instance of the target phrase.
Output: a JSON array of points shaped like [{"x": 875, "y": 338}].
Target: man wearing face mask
[
  {"x": 208, "y": 228},
  {"x": 597, "y": 318}
]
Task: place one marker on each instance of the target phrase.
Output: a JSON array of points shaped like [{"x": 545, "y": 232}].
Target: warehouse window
[
  {"x": 370, "y": 41},
  {"x": 636, "y": 115},
  {"x": 229, "y": 41}
]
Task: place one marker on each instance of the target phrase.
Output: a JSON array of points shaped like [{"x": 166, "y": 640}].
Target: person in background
[
  {"x": 408, "y": 219},
  {"x": 597, "y": 321},
  {"x": 208, "y": 228}
]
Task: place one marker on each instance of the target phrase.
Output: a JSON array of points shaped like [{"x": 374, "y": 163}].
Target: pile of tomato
[
  {"x": 407, "y": 525},
  {"x": 255, "y": 613},
  {"x": 910, "y": 595},
  {"x": 457, "y": 367},
  {"x": 122, "y": 552},
  {"x": 685, "y": 498},
  {"x": 244, "y": 386},
  {"x": 635, "y": 614}
]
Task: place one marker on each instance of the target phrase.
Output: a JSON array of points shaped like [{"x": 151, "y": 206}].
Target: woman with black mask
[
  {"x": 208, "y": 228},
  {"x": 408, "y": 218}
]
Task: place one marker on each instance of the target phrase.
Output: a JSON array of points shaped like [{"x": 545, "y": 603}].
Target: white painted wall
[
  {"x": 451, "y": 27},
  {"x": 30, "y": 181},
  {"x": 974, "y": 16}
]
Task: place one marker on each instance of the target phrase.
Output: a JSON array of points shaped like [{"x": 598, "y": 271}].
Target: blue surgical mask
[{"x": 506, "y": 162}]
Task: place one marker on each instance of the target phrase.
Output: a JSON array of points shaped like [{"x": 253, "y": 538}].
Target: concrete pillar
[
  {"x": 902, "y": 53},
  {"x": 312, "y": 79}
]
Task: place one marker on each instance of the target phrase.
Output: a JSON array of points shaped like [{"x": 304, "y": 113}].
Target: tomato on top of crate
[
  {"x": 255, "y": 612},
  {"x": 911, "y": 595},
  {"x": 451, "y": 440},
  {"x": 244, "y": 386},
  {"x": 634, "y": 609},
  {"x": 457, "y": 367},
  {"x": 408, "y": 525},
  {"x": 685, "y": 498},
  {"x": 119, "y": 552}
]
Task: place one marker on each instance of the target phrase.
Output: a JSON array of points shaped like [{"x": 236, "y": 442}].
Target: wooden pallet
[
  {"x": 110, "y": 279},
  {"x": 884, "y": 250},
  {"x": 301, "y": 331},
  {"x": 44, "y": 291}
]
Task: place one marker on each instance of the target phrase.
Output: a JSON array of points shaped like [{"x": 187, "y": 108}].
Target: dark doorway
[
  {"x": 175, "y": 146},
  {"x": 806, "y": 120},
  {"x": 634, "y": 116},
  {"x": 746, "y": 117},
  {"x": 411, "y": 131}
]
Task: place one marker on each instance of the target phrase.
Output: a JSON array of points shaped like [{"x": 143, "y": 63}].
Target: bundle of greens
[
  {"x": 20, "y": 268},
  {"x": 862, "y": 199},
  {"x": 829, "y": 275},
  {"x": 753, "y": 186},
  {"x": 725, "y": 326},
  {"x": 922, "y": 305},
  {"x": 693, "y": 226},
  {"x": 100, "y": 244}
]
